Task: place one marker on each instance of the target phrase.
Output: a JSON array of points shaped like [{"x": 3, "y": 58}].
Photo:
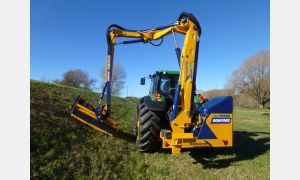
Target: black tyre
[{"x": 147, "y": 129}]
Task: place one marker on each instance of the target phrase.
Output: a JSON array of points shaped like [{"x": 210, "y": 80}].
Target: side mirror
[{"x": 142, "y": 81}]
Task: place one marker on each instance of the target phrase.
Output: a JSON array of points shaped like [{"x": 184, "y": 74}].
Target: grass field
[{"x": 63, "y": 148}]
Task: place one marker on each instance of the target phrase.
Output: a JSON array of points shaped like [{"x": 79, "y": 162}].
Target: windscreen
[{"x": 168, "y": 83}]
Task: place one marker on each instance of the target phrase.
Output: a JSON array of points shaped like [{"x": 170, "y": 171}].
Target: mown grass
[{"x": 63, "y": 148}]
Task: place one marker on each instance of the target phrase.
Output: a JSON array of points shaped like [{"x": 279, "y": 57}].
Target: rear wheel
[{"x": 147, "y": 129}]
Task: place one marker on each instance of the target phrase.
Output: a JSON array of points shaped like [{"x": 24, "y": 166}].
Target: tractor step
[
  {"x": 166, "y": 133},
  {"x": 85, "y": 113}
]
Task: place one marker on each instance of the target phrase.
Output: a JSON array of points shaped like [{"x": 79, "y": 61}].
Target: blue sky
[{"x": 70, "y": 34}]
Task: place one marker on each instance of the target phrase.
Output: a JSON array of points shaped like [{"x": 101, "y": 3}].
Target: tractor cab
[{"x": 163, "y": 83}]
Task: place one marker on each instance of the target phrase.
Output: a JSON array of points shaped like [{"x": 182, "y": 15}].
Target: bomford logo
[{"x": 220, "y": 120}]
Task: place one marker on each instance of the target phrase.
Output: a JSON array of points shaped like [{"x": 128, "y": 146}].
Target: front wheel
[{"x": 147, "y": 129}]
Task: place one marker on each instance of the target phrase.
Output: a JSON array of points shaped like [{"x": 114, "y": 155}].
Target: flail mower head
[{"x": 87, "y": 114}]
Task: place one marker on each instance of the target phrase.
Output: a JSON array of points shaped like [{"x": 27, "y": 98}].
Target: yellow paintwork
[
  {"x": 183, "y": 119},
  {"x": 108, "y": 122},
  {"x": 179, "y": 139},
  {"x": 91, "y": 125},
  {"x": 222, "y": 131},
  {"x": 189, "y": 29}
]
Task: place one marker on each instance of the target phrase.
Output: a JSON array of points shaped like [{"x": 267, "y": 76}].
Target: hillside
[{"x": 63, "y": 148}]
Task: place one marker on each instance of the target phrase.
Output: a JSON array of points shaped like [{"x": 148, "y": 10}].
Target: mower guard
[{"x": 85, "y": 113}]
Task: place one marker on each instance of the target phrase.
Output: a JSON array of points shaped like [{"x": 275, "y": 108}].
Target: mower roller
[{"x": 86, "y": 113}]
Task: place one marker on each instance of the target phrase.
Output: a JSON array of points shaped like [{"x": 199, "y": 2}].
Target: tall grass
[{"x": 63, "y": 148}]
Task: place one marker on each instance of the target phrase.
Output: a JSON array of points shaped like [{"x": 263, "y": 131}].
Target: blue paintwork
[
  {"x": 132, "y": 41},
  {"x": 99, "y": 108},
  {"x": 108, "y": 82},
  {"x": 177, "y": 92},
  {"x": 205, "y": 132},
  {"x": 108, "y": 93},
  {"x": 221, "y": 104},
  {"x": 103, "y": 91},
  {"x": 103, "y": 126},
  {"x": 178, "y": 53},
  {"x": 175, "y": 103},
  {"x": 98, "y": 112}
]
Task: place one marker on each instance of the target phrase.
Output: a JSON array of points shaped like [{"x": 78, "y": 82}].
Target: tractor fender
[{"x": 155, "y": 105}]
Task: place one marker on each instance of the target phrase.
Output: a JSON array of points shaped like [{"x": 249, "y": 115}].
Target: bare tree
[
  {"x": 78, "y": 78},
  {"x": 218, "y": 92},
  {"x": 56, "y": 81},
  {"x": 118, "y": 79},
  {"x": 47, "y": 80},
  {"x": 253, "y": 77}
]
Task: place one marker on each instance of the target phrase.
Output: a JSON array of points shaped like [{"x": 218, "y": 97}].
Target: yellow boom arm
[
  {"x": 208, "y": 125},
  {"x": 186, "y": 24}
]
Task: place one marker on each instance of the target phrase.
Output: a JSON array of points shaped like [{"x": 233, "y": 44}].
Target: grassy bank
[{"x": 63, "y": 148}]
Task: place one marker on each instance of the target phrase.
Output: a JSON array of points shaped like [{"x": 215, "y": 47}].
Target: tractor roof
[{"x": 169, "y": 72}]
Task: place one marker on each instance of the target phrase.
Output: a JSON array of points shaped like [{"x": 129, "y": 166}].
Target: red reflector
[
  {"x": 225, "y": 142},
  {"x": 157, "y": 95},
  {"x": 167, "y": 144},
  {"x": 202, "y": 98}
]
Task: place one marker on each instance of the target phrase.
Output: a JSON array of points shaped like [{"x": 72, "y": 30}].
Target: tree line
[
  {"x": 249, "y": 84},
  {"x": 80, "y": 79}
]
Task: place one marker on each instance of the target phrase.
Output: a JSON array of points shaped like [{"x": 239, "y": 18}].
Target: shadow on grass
[
  {"x": 122, "y": 134},
  {"x": 125, "y": 136},
  {"x": 244, "y": 148},
  {"x": 122, "y": 115}
]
